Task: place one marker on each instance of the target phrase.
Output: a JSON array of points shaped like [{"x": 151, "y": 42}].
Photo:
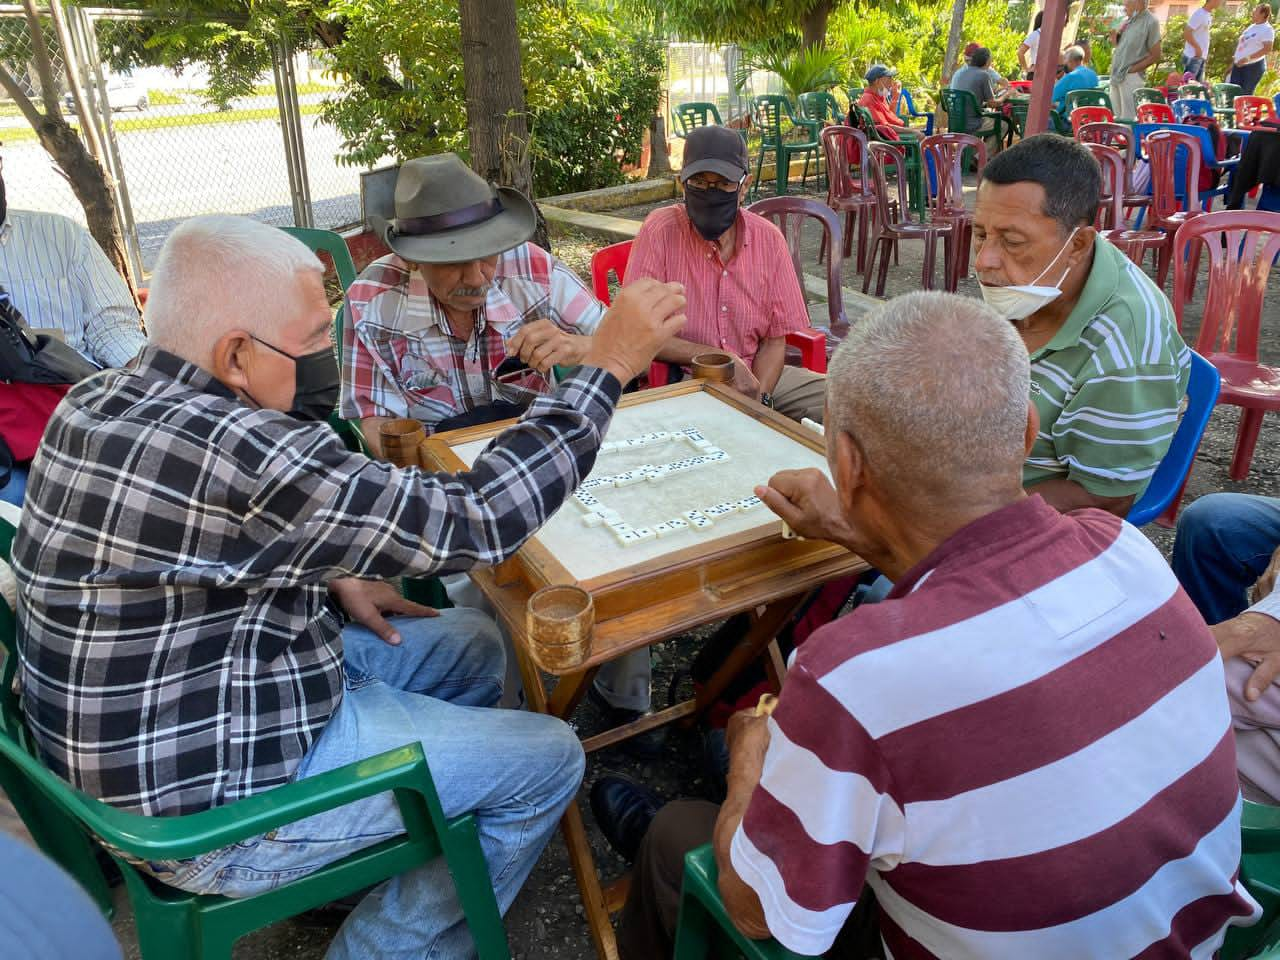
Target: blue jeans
[
  {"x": 516, "y": 770},
  {"x": 1193, "y": 66},
  {"x": 16, "y": 487},
  {"x": 1224, "y": 542}
]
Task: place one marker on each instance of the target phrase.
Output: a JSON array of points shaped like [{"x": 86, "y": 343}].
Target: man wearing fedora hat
[
  {"x": 743, "y": 298},
  {"x": 427, "y": 327}
]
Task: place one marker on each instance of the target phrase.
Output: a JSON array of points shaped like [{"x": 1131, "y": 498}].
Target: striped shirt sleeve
[
  {"x": 788, "y": 311},
  {"x": 820, "y": 818},
  {"x": 1116, "y": 426},
  {"x": 648, "y": 256},
  {"x": 112, "y": 330}
]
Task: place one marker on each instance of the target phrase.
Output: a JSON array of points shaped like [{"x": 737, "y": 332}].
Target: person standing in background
[
  {"x": 1137, "y": 46},
  {"x": 1249, "y": 62},
  {"x": 1195, "y": 35},
  {"x": 1030, "y": 46}
]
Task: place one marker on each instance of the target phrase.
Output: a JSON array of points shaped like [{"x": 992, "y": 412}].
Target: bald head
[{"x": 934, "y": 390}]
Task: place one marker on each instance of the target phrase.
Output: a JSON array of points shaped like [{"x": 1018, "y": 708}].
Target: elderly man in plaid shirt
[{"x": 192, "y": 531}]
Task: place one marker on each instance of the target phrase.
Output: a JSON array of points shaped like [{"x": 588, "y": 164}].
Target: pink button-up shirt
[{"x": 731, "y": 306}]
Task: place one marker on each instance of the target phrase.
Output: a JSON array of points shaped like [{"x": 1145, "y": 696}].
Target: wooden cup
[
  {"x": 713, "y": 366},
  {"x": 400, "y": 440},
  {"x": 560, "y": 621}
]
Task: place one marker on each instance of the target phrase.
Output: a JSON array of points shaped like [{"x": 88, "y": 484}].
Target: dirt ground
[{"x": 546, "y": 920}]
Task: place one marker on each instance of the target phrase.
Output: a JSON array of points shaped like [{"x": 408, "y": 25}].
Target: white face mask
[{"x": 1021, "y": 300}]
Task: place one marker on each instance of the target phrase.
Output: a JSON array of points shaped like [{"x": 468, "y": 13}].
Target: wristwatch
[{"x": 767, "y": 399}]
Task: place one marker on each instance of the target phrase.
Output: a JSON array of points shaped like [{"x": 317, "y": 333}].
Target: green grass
[{"x": 177, "y": 120}]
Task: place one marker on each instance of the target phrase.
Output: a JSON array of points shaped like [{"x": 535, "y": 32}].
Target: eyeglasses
[{"x": 728, "y": 186}]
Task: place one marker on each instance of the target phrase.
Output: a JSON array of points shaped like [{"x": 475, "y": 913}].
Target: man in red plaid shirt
[{"x": 426, "y": 328}]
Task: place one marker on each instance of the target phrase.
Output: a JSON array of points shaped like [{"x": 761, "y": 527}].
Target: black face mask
[
  {"x": 711, "y": 212},
  {"x": 315, "y": 383}
]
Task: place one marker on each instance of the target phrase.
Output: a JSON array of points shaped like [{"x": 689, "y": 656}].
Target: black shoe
[
  {"x": 645, "y": 746},
  {"x": 623, "y": 809}
]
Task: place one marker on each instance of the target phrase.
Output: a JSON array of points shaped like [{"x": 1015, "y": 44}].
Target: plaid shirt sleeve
[
  {"x": 325, "y": 512},
  {"x": 573, "y": 305},
  {"x": 368, "y": 388}
]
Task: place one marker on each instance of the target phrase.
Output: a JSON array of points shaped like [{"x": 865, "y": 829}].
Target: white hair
[
  {"x": 218, "y": 273},
  {"x": 934, "y": 388},
  {"x": 1075, "y": 54}
]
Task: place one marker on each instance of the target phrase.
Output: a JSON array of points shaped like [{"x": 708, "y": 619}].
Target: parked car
[{"x": 123, "y": 93}]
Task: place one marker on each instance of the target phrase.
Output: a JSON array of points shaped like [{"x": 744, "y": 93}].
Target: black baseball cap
[
  {"x": 879, "y": 71},
  {"x": 714, "y": 149}
]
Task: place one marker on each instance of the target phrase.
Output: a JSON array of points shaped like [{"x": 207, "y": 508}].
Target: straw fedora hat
[{"x": 446, "y": 213}]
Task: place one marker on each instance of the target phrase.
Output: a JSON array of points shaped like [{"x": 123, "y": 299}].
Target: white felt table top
[{"x": 756, "y": 452}]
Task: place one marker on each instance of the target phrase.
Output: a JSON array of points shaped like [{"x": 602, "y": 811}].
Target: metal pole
[
  {"x": 291, "y": 130},
  {"x": 84, "y": 33},
  {"x": 1055, "y": 16}
]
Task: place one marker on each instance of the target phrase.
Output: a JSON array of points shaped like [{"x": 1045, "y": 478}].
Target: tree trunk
[
  {"x": 497, "y": 122},
  {"x": 659, "y": 155},
  {"x": 815, "y": 24},
  {"x": 953, "y": 41}
]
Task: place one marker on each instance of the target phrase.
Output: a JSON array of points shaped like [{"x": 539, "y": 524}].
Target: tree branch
[
  {"x": 20, "y": 98},
  {"x": 40, "y": 53}
]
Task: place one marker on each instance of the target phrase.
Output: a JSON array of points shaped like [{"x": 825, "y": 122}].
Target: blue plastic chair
[
  {"x": 905, "y": 100},
  {"x": 1185, "y": 107},
  {"x": 1208, "y": 154},
  {"x": 1166, "y": 484}
]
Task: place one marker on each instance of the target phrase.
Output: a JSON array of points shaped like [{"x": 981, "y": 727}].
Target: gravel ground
[{"x": 546, "y": 920}]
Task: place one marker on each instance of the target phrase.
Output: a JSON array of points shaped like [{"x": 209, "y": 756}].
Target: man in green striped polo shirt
[{"x": 1108, "y": 366}]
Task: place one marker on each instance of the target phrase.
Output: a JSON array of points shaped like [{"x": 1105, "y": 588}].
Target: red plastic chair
[
  {"x": 790, "y": 214},
  {"x": 889, "y": 228},
  {"x": 1168, "y": 212},
  {"x": 1082, "y": 115},
  {"x": 1110, "y": 221},
  {"x": 846, "y": 194},
  {"x": 1250, "y": 111},
  {"x": 1155, "y": 113},
  {"x": 1121, "y": 137},
  {"x": 1241, "y": 247},
  {"x": 1022, "y": 86},
  {"x": 947, "y": 152}
]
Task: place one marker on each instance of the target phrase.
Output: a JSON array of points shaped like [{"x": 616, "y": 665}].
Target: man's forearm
[
  {"x": 740, "y": 901},
  {"x": 769, "y": 359},
  {"x": 682, "y": 352},
  {"x": 1065, "y": 495}
]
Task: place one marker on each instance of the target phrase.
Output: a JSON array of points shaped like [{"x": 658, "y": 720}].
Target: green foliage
[
  {"x": 1224, "y": 32},
  {"x": 734, "y": 21},
  {"x": 814, "y": 68},
  {"x": 911, "y": 35},
  {"x": 590, "y": 89}
]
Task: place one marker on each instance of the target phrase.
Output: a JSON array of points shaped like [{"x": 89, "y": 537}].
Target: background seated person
[
  {"x": 975, "y": 78},
  {"x": 199, "y": 623},
  {"x": 426, "y": 327},
  {"x": 1077, "y": 77},
  {"x": 928, "y": 777},
  {"x": 743, "y": 298},
  {"x": 1228, "y": 543},
  {"x": 879, "y": 96},
  {"x": 57, "y": 276},
  {"x": 1108, "y": 366}
]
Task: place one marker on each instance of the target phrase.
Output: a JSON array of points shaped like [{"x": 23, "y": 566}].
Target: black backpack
[{"x": 26, "y": 357}]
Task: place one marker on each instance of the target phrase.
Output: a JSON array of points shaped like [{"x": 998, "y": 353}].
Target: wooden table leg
[
  {"x": 584, "y": 869},
  {"x": 761, "y": 633}
]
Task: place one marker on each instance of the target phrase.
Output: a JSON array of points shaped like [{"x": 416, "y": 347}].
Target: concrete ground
[{"x": 546, "y": 920}]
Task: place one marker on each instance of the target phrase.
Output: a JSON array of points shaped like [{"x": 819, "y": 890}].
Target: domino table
[{"x": 667, "y": 535}]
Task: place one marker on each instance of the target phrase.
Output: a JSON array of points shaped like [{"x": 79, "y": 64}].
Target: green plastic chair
[
  {"x": 704, "y": 929},
  {"x": 1224, "y": 101},
  {"x": 175, "y": 925},
  {"x": 962, "y": 106},
  {"x": 821, "y": 106},
  {"x": 1260, "y": 874},
  {"x": 1020, "y": 108},
  {"x": 1088, "y": 98},
  {"x": 694, "y": 114},
  {"x": 1148, "y": 95},
  {"x": 1193, "y": 91},
  {"x": 768, "y": 111},
  {"x": 918, "y": 196}
]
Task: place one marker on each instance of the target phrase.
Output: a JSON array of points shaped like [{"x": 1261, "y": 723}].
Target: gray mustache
[{"x": 471, "y": 291}]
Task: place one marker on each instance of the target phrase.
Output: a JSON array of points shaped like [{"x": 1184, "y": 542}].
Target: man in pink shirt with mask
[{"x": 743, "y": 297}]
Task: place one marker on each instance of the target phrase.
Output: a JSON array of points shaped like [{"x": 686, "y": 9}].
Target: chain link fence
[
  {"x": 179, "y": 154},
  {"x": 703, "y": 72}
]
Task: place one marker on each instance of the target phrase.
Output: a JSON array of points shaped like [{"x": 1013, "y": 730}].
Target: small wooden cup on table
[
  {"x": 400, "y": 441},
  {"x": 717, "y": 367},
  {"x": 560, "y": 620}
]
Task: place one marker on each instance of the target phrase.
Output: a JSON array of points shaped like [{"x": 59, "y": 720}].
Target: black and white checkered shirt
[{"x": 177, "y": 647}]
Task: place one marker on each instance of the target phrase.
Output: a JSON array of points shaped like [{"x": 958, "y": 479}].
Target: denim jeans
[
  {"x": 1224, "y": 542},
  {"x": 516, "y": 770},
  {"x": 16, "y": 487},
  {"x": 1193, "y": 66}
]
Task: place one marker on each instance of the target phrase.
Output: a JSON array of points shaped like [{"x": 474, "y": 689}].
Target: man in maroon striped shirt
[
  {"x": 743, "y": 298},
  {"x": 1024, "y": 751}
]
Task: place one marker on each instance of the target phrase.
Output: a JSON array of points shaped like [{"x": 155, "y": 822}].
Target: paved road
[{"x": 179, "y": 172}]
